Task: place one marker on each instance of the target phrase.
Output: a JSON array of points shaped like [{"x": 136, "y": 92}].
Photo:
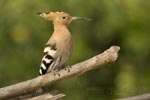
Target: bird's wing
[{"x": 48, "y": 58}]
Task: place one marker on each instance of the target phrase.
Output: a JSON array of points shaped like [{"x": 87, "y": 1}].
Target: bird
[{"x": 59, "y": 47}]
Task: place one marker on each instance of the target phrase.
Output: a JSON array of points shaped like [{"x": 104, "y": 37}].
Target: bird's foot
[
  {"x": 67, "y": 69},
  {"x": 55, "y": 72}
]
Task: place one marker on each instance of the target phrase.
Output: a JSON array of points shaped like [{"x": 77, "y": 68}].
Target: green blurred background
[{"x": 126, "y": 23}]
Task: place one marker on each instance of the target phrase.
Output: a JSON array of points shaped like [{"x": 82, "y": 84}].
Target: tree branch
[
  {"x": 139, "y": 97},
  {"x": 53, "y": 95},
  {"x": 106, "y": 57}
]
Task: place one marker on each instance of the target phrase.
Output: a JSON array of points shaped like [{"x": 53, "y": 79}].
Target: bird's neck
[
  {"x": 61, "y": 32},
  {"x": 60, "y": 28},
  {"x": 62, "y": 35}
]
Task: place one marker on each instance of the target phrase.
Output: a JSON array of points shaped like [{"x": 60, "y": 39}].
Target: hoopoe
[{"x": 59, "y": 47}]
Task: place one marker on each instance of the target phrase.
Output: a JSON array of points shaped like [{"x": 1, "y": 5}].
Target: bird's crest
[{"x": 60, "y": 17}]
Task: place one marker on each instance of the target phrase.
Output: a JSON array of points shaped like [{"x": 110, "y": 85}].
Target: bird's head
[{"x": 61, "y": 18}]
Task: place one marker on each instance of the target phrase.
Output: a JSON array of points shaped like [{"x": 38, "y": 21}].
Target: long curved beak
[{"x": 80, "y": 18}]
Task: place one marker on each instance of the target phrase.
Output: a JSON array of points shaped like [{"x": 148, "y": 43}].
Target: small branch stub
[{"x": 48, "y": 96}]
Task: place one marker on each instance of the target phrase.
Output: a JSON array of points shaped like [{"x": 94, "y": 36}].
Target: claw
[
  {"x": 67, "y": 69},
  {"x": 56, "y": 73}
]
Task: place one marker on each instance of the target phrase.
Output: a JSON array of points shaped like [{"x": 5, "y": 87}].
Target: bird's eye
[{"x": 63, "y": 17}]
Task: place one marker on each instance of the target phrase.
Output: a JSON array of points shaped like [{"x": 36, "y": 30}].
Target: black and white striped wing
[{"x": 48, "y": 58}]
